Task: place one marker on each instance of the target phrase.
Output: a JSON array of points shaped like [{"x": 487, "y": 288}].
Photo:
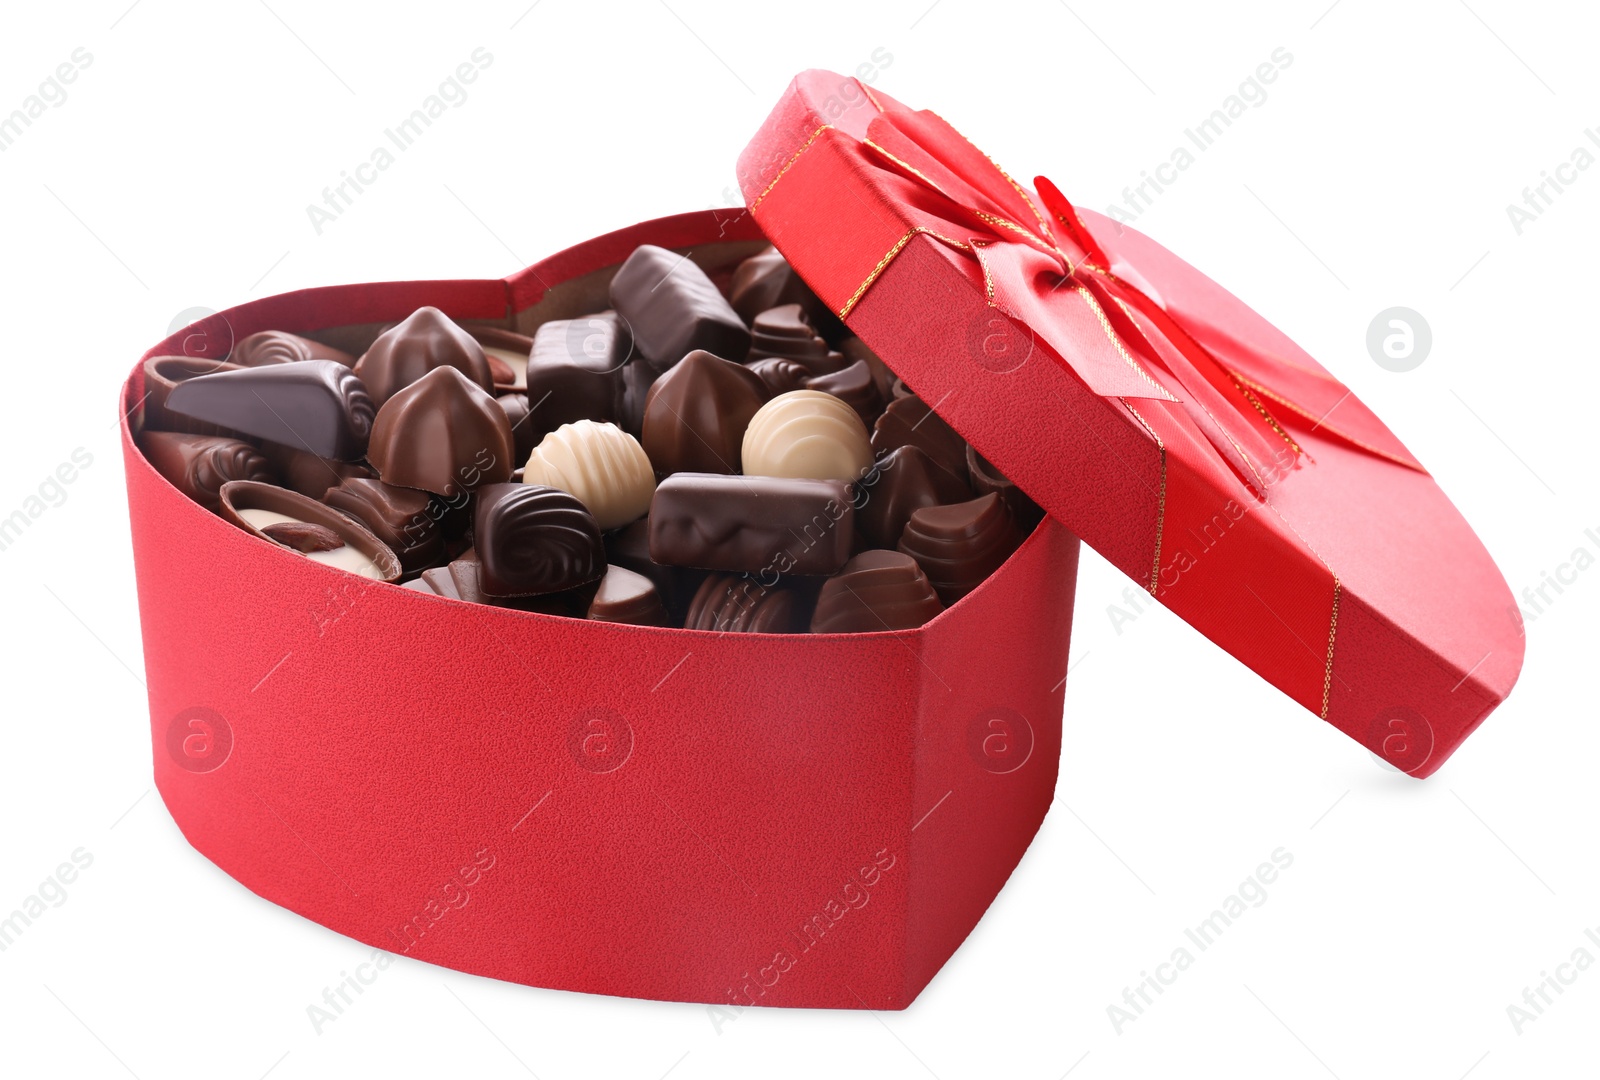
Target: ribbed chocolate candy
[
  {"x": 695, "y": 417},
  {"x": 876, "y": 590},
  {"x": 902, "y": 482},
  {"x": 442, "y": 434},
  {"x": 987, "y": 479},
  {"x": 277, "y": 347},
  {"x": 674, "y": 309},
  {"x": 313, "y": 405},
  {"x": 198, "y": 465},
  {"x": 405, "y": 519},
  {"x": 738, "y": 604},
  {"x": 780, "y": 375},
  {"x": 806, "y": 433},
  {"x": 425, "y": 340},
  {"x": 533, "y": 540},
  {"x": 601, "y": 464},
  {"x": 855, "y": 386},
  {"x": 785, "y": 332},
  {"x": 960, "y": 545}
]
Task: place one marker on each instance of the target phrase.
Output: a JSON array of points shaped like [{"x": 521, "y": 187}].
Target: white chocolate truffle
[
  {"x": 602, "y": 465},
  {"x": 807, "y": 434}
]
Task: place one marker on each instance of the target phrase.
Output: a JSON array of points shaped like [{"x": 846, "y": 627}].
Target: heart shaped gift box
[{"x": 803, "y": 820}]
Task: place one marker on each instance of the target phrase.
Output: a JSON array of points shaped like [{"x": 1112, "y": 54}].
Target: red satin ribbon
[{"x": 1048, "y": 272}]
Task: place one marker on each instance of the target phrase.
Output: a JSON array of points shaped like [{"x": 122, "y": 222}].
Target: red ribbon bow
[{"x": 1047, "y": 271}]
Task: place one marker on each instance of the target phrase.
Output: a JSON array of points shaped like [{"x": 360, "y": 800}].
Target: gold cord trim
[
  {"x": 1333, "y": 628},
  {"x": 1322, "y": 422},
  {"x": 1271, "y": 420},
  {"x": 1111, "y": 333},
  {"x": 788, "y": 164},
  {"x": 1161, "y": 498},
  {"x": 883, "y": 263}
]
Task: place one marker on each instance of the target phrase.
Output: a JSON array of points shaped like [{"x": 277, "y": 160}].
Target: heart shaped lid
[{"x": 1150, "y": 411}]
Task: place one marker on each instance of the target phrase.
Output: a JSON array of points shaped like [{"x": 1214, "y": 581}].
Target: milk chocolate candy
[
  {"x": 265, "y": 510},
  {"x": 627, "y": 597},
  {"x": 629, "y": 547},
  {"x": 762, "y": 525},
  {"x": 524, "y": 437},
  {"x": 674, "y": 309},
  {"x": 766, "y": 280},
  {"x": 786, "y": 332},
  {"x": 855, "y": 349},
  {"x": 959, "y": 545},
  {"x": 461, "y": 579},
  {"x": 315, "y": 405},
  {"x": 806, "y": 433},
  {"x": 311, "y": 475},
  {"x": 575, "y": 372},
  {"x": 853, "y": 385},
  {"x": 739, "y": 604},
  {"x": 902, "y": 482},
  {"x": 424, "y": 341},
  {"x": 162, "y": 375},
  {"x": 602, "y": 465},
  {"x": 507, "y": 353},
  {"x": 442, "y": 434},
  {"x": 876, "y": 590},
  {"x": 779, "y": 375},
  {"x": 695, "y": 417},
  {"x": 198, "y": 465},
  {"x": 533, "y": 540},
  {"x": 405, "y": 519},
  {"x": 987, "y": 479},
  {"x": 277, "y": 347},
  {"x": 909, "y": 422}
]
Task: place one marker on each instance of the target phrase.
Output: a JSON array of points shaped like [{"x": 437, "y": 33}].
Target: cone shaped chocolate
[
  {"x": 442, "y": 434},
  {"x": 426, "y": 339},
  {"x": 696, "y": 414},
  {"x": 315, "y": 405}
]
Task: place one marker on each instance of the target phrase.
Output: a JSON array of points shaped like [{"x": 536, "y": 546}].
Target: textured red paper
[
  {"x": 612, "y": 809},
  {"x": 1345, "y": 578}
]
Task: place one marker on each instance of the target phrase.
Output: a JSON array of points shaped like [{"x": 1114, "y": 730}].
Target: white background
[{"x": 1376, "y": 173}]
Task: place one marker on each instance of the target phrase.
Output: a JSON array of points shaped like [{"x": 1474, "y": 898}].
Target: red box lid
[{"x": 1150, "y": 411}]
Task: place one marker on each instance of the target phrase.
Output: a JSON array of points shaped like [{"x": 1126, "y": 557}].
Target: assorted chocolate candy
[{"x": 710, "y": 454}]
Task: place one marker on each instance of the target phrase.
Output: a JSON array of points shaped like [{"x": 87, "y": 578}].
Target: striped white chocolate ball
[
  {"x": 602, "y": 465},
  {"x": 808, "y": 434}
]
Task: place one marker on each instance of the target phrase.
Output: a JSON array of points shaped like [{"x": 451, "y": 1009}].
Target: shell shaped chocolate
[
  {"x": 876, "y": 590},
  {"x": 738, "y": 604},
  {"x": 442, "y": 434},
  {"x": 809, "y": 434},
  {"x": 198, "y": 465},
  {"x": 780, "y": 375},
  {"x": 425, "y": 340},
  {"x": 785, "y": 332},
  {"x": 279, "y": 347},
  {"x": 533, "y": 540},
  {"x": 601, "y": 464},
  {"x": 853, "y": 385},
  {"x": 961, "y": 544}
]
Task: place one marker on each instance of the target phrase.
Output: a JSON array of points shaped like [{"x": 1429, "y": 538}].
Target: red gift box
[
  {"x": 804, "y": 820},
  {"x": 801, "y": 820},
  {"x": 1149, "y": 410}
]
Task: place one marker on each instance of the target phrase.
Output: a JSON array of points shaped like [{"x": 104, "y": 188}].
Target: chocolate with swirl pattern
[
  {"x": 533, "y": 540},
  {"x": 198, "y": 465},
  {"x": 278, "y": 347}
]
